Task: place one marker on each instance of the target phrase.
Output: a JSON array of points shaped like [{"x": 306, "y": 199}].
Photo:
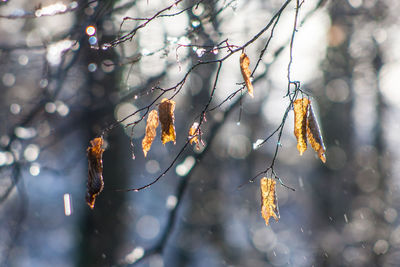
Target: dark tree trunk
[
  {"x": 103, "y": 229},
  {"x": 334, "y": 186}
]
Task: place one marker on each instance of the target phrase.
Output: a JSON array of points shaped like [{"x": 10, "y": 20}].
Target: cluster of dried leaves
[
  {"x": 269, "y": 200},
  {"x": 306, "y": 128},
  {"x": 165, "y": 117}
]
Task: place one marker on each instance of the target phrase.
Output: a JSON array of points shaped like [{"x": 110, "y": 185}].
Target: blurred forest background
[{"x": 71, "y": 69}]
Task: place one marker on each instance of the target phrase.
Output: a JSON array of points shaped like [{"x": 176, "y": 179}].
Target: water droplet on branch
[{"x": 256, "y": 144}]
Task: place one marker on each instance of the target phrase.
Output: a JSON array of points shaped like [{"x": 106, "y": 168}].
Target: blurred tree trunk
[
  {"x": 334, "y": 186},
  {"x": 103, "y": 229},
  {"x": 383, "y": 166},
  {"x": 353, "y": 199}
]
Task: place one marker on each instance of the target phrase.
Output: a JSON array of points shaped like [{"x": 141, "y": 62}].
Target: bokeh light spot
[
  {"x": 62, "y": 108},
  {"x": 381, "y": 247},
  {"x": 90, "y": 30},
  {"x": 123, "y": 110},
  {"x": 34, "y": 169},
  {"x": 171, "y": 202},
  {"x": 23, "y": 60},
  {"x": 152, "y": 166},
  {"x": 9, "y": 158},
  {"x": 184, "y": 168},
  {"x": 239, "y": 146},
  {"x": 50, "y": 107},
  {"x": 92, "y": 67},
  {"x": 25, "y": 133},
  {"x": 148, "y": 227},
  {"x": 264, "y": 239},
  {"x": 367, "y": 180},
  {"x": 280, "y": 255},
  {"x": 92, "y": 40},
  {"x": 390, "y": 215},
  {"x": 15, "y": 108},
  {"x": 31, "y": 152},
  {"x": 136, "y": 254},
  {"x": 8, "y": 79},
  {"x": 337, "y": 91}
]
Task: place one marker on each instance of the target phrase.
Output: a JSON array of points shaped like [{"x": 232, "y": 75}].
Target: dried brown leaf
[
  {"x": 166, "y": 116},
  {"x": 269, "y": 200},
  {"x": 151, "y": 126},
  {"x": 95, "y": 182},
  {"x": 194, "y": 135},
  {"x": 300, "y": 107},
  {"x": 314, "y": 134},
  {"x": 246, "y": 73}
]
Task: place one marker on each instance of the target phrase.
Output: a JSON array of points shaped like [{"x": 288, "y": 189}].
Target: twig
[{"x": 132, "y": 33}]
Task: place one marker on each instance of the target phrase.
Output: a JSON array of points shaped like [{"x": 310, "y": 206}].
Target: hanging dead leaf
[
  {"x": 95, "y": 182},
  {"x": 166, "y": 115},
  {"x": 300, "y": 107},
  {"x": 194, "y": 135},
  {"x": 269, "y": 200},
  {"x": 246, "y": 73},
  {"x": 314, "y": 134},
  {"x": 151, "y": 126}
]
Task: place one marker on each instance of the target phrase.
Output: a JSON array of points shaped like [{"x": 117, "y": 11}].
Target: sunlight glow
[
  {"x": 355, "y": 3},
  {"x": 171, "y": 202},
  {"x": 183, "y": 40},
  {"x": 388, "y": 77},
  {"x": 125, "y": 109},
  {"x": 51, "y": 10},
  {"x": 136, "y": 254},
  {"x": 56, "y": 50},
  {"x": 256, "y": 144},
  {"x": 3, "y": 158},
  {"x": 67, "y": 205},
  {"x": 25, "y": 133},
  {"x": 185, "y": 167}
]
